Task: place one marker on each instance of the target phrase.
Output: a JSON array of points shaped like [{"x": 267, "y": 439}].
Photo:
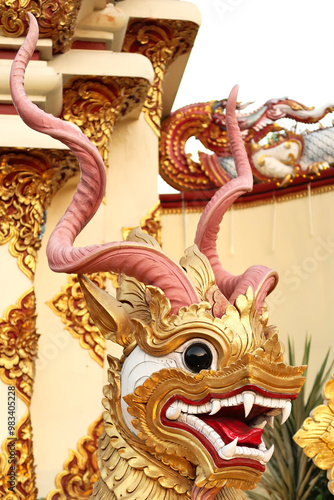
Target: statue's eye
[{"x": 198, "y": 357}]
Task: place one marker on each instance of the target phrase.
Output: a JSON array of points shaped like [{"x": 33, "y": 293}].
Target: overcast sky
[{"x": 270, "y": 48}]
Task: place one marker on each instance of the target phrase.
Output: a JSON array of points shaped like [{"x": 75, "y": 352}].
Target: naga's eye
[{"x": 198, "y": 357}]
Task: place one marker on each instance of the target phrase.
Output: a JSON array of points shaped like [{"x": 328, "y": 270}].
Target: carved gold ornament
[
  {"x": 162, "y": 41},
  {"x": 316, "y": 436},
  {"x": 18, "y": 345},
  {"x": 56, "y": 19},
  {"x": 80, "y": 468},
  {"x": 95, "y": 103},
  {"x": 71, "y": 306},
  {"x": 25, "y": 475},
  {"x": 28, "y": 181}
]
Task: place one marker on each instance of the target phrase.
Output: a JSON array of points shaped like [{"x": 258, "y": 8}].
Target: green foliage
[{"x": 290, "y": 475}]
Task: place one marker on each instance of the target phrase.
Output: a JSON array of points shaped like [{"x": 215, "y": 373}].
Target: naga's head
[
  {"x": 269, "y": 113},
  {"x": 201, "y": 373}
]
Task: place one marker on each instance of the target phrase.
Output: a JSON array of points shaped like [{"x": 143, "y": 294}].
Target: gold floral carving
[
  {"x": 80, "y": 469},
  {"x": 316, "y": 436},
  {"x": 28, "y": 181},
  {"x": 71, "y": 306},
  {"x": 162, "y": 41},
  {"x": 25, "y": 479},
  {"x": 18, "y": 345},
  {"x": 150, "y": 223},
  {"x": 96, "y": 103},
  {"x": 56, "y": 19}
]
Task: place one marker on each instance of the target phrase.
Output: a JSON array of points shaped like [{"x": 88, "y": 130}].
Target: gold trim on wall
[
  {"x": 18, "y": 351},
  {"x": 29, "y": 178},
  {"x": 18, "y": 345}
]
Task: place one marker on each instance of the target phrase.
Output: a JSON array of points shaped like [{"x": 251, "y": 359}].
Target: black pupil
[{"x": 198, "y": 357}]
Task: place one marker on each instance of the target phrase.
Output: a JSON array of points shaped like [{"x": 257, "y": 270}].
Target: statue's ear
[{"x": 107, "y": 313}]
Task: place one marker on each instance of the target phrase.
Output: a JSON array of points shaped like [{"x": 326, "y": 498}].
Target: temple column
[{"x": 94, "y": 89}]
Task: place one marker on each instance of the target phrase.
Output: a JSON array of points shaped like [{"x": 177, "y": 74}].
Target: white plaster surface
[
  {"x": 44, "y": 45},
  {"x": 89, "y": 62},
  {"x": 39, "y": 77},
  {"x": 16, "y": 134},
  {"x": 42, "y": 84}
]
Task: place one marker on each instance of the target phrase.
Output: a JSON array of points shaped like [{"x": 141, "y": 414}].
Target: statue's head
[
  {"x": 194, "y": 389},
  {"x": 201, "y": 372}
]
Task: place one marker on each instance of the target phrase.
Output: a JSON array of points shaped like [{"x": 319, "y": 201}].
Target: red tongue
[{"x": 230, "y": 428}]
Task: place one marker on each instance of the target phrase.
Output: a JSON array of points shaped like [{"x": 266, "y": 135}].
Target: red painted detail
[
  {"x": 262, "y": 191},
  {"x": 7, "y": 109},
  {"x": 230, "y": 428},
  {"x": 235, "y": 462},
  {"x": 10, "y": 54},
  {"x": 84, "y": 45}
]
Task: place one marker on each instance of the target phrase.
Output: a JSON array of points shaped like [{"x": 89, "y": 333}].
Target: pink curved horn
[
  {"x": 262, "y": 279},
  {"x": 148, "y": 264}
]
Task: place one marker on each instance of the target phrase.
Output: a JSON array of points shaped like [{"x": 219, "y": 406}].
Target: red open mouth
[{"x": 230, "y": 425}]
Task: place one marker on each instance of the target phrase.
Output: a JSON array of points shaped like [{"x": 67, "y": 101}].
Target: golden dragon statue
[{"x": 201, "y": 373}]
